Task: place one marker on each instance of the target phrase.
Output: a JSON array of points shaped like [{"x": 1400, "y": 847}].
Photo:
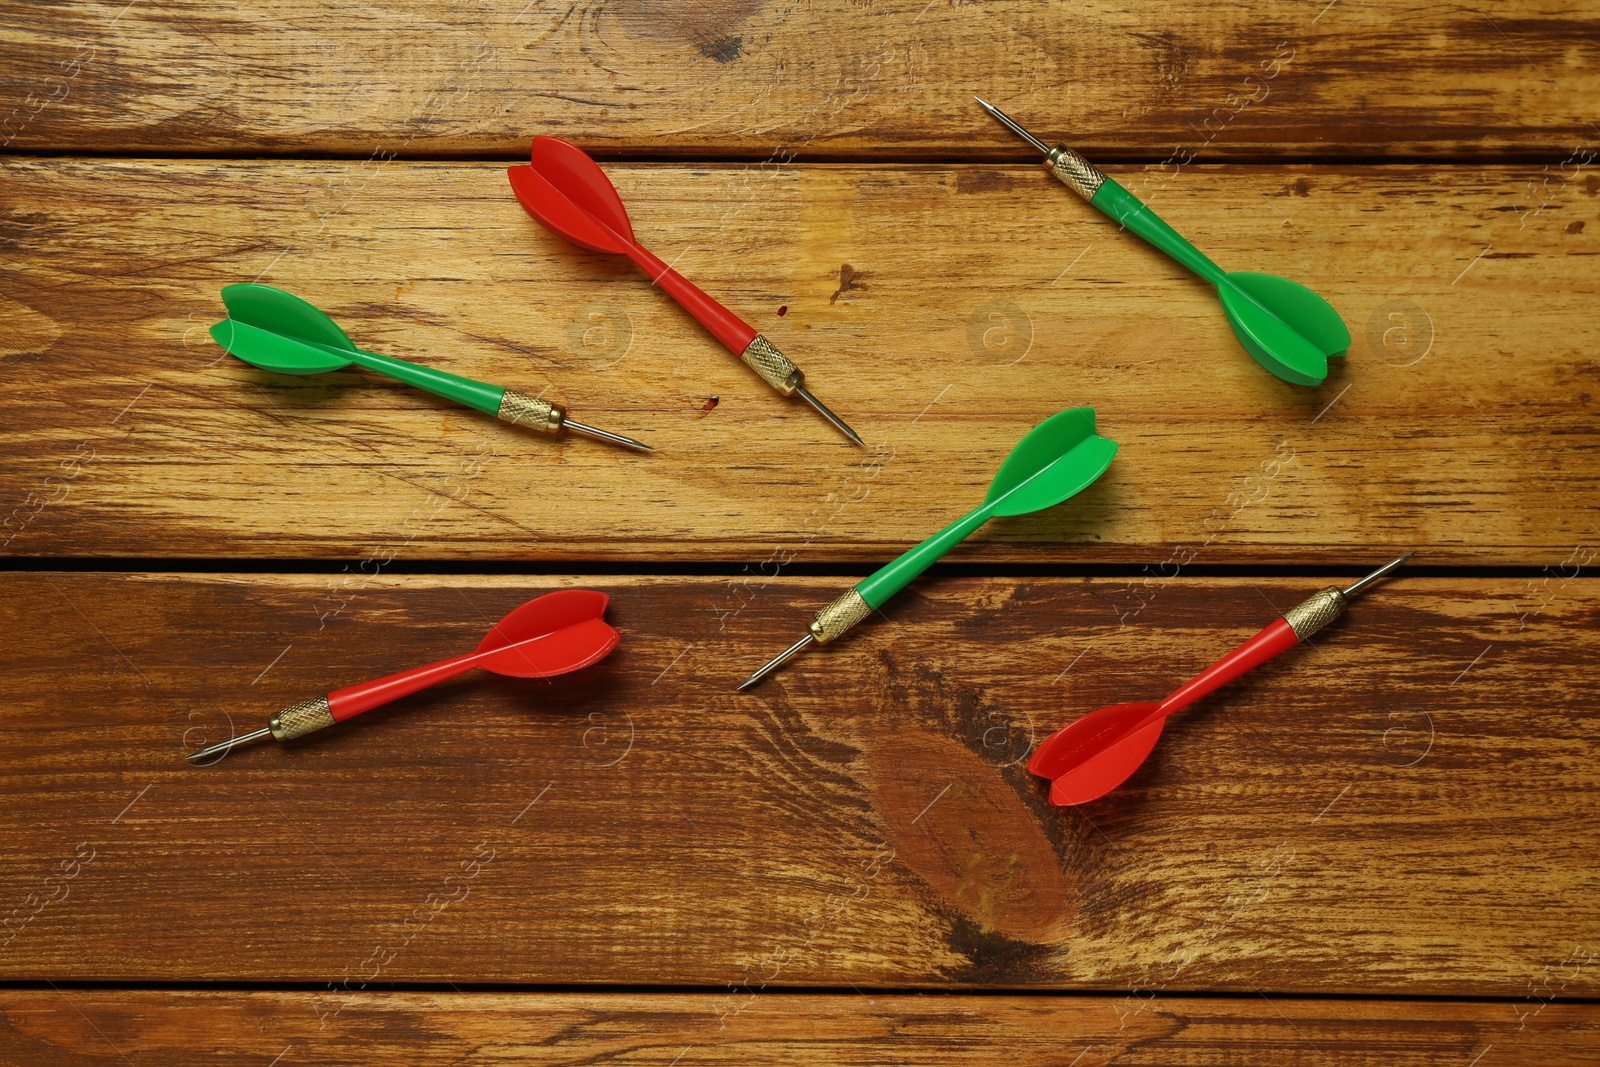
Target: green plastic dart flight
[
  {"x": 1290, "y": 330},
  {"x": 277, "y": 331},
  {"x": 1059, "y": 458}
]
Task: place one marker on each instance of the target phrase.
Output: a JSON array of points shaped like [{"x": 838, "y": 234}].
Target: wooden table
[{"x": 1379, "y": 849}]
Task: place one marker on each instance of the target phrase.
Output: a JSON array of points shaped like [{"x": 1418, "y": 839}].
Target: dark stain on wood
[
  {"x": 962, "y": 829},
  {"x": 993, "y": 959},
  {"x": 984, "y": 180},
  {"x": 849, "y": 281},
  {"x": 1168, "y": 52},
  {"x": 723, "y": 49},
  {"x": 711, "y": 27},
  {"x": 958, "y": 804}
]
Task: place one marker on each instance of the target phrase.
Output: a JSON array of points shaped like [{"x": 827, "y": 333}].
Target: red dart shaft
[
  {"x": 1277, "y": 637},
  {"x": 1098, "y": 752},
  {"x": 573, "y": 636},
  {"x": 734, "y": 333},
  {"x": 353, "y": 700},
  {"x": 309, "y": 716},
  {"x": 572, "y": 197}
]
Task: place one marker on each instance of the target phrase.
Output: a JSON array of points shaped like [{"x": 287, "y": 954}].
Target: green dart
[
  {"x": 1059, "y": 458},
  {"x": 277, "y": 331},
  {"x": 1289, "y": 330}
]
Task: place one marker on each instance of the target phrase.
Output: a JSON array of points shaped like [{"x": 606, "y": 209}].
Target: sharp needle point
[
  {"x": 1375, "y": 575},
  {"x": 774, "y": 663},
  {"x": 606, "y": 435},
  {"x": 1012, "y": 125},
  {"x": 822, "y": 409},
  {"x": 223, "y": 746}
]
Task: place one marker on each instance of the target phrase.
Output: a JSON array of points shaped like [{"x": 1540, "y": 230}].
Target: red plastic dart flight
[
  {"x": 554, "y": 634},
  {"x": 572, "y": 198},
  {"x": 1094, "y": 755}
]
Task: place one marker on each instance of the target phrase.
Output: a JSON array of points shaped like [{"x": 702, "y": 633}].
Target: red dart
[
  {"x": 572, "y": 198},
  {"x": 549, "y": 635},
  {"x": 1094, "y": 755}
]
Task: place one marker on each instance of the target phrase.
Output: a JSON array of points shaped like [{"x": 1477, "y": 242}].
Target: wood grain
[
  {"x": 86, "y": 1027},
  {"x": 767, "y": 80},
  {"x": 944, "y": 310},
  {"x": 1378, "y": 849},
  {"x": 1400, "y": 807}
]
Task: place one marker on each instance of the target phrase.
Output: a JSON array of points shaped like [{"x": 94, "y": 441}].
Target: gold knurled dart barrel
[
  {"x": 1073, "y": 171},
  {"x": 287, "y": 723},
  {"x": 300, "y": 718},
  {"x": 1316, "y": 611},
  {"x": 779, "y": 371},
  {"x": 832, "y": 621},
  {"x": 520, "y": 409},
  {"x": 775, "y": 368}
]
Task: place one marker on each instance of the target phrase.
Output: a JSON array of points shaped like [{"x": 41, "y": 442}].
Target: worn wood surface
[
  {"x": 1404, "y": 807},
  {"x": 943, "y": 309},
  {"x": 86, "y": 1027},
  {"x": 835, "y": 78},
  {"x": 1371, "y": 814}
]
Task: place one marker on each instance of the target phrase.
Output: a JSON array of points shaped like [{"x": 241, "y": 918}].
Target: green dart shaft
[
  {"x": 1287, "y": 328},
  {"x": 1134, "y": 214},
  {"x": 1128, "y": 211},
  {"x": 507, "y": 405},
  {"x": 895, "y": 575},
  {"x": 875, "y": 590},
  {"x": 277, "y": 331},
  {"x": 480, "y": 396},
  {"x": 1091, "y": 183},
  {"x": 1056, "y": 460}
]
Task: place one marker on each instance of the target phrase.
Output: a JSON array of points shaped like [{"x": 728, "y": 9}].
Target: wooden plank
[
  {"x": 829, "y": 79},
  {"x": 943, "y": 309},
  {"x": 1399, "y": 808},
  {"x": 85, "y": 1027}
]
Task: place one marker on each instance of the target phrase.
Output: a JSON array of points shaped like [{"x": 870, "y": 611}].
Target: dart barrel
[
  {"x": 300, "y": 718},
  {"x": 832, "y": 621},
  {"x": 775, "y": 368},
  {"x": 1075, "y": 172},
  {"x": 520, "y": 409},
  {"x": 1315, "y": 612}
]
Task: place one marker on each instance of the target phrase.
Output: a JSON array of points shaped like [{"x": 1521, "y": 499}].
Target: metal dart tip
[
  {"x": 1375, "y": 575},
  {"x": 606, "y": 435},
  {"x": 223, "y": 746},
  {"x": 774, "y": 663},
  {"x": 1012, "y": 125},
  {"x": 822, "y": 409}
]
